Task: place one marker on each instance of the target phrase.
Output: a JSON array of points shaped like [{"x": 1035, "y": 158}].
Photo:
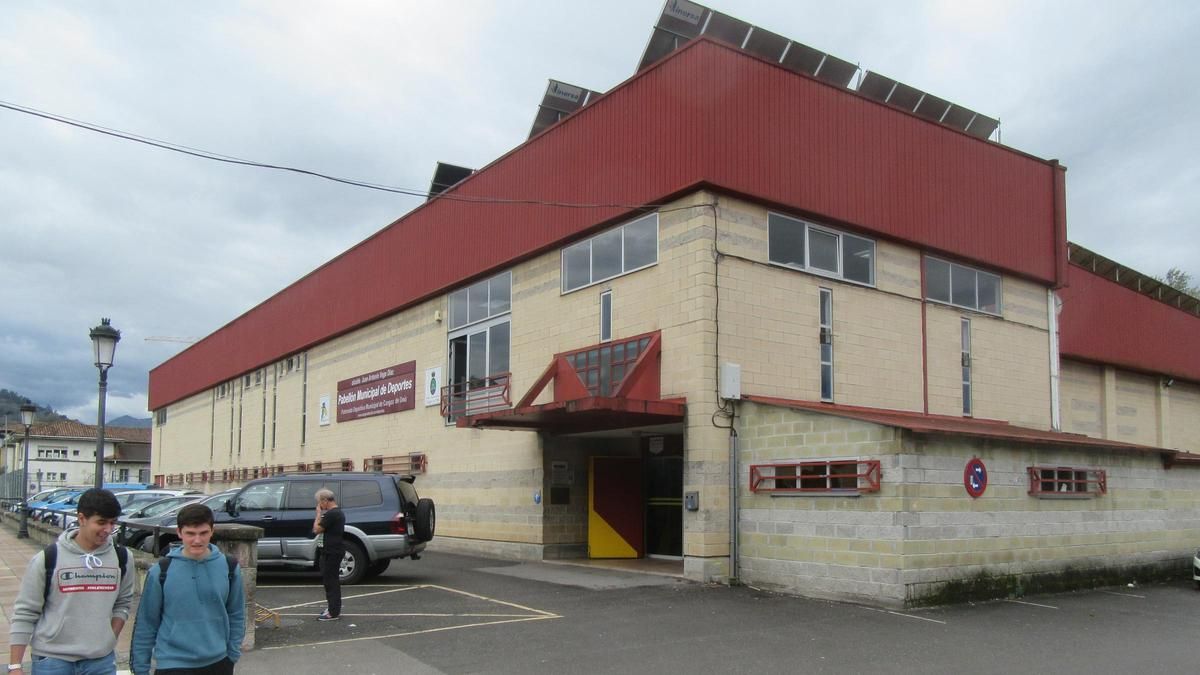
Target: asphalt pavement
[{"x": 458, "y": 614}]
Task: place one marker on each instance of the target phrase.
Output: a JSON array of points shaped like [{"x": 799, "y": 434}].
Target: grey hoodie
[{"x": 86, "y": 593}]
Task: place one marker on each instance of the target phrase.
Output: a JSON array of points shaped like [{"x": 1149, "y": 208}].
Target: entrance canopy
[{"x": 614, "y": 385}]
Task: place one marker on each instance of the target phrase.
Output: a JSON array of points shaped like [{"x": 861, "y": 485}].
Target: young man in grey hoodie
[{"x": 72, "y": 628}]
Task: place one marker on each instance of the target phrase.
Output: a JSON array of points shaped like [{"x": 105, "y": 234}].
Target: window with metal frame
[
  {"x": 1067, "y": 481},
  {"x": 615, "y": 252},
  {"x": 962, "y": 286},
  {"x": 799, "y": 244},
  {"x": 478, "y": 348},
  {"x": 602, "y": 369},
  {"x": 838, "y": 476},
  {"x": 606, "y": 316},
  {"x": 826, "y": 344},
  {"x": 967, "y": 394}
]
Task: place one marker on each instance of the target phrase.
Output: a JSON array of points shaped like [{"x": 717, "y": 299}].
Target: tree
[{"x": 1180, "y": 281}]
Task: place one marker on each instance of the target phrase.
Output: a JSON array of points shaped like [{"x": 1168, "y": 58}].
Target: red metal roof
[
  {"x": 706, "y": 116},
  {"x": 1105, "y": 322},
  {"x": 957, "y": 426}
]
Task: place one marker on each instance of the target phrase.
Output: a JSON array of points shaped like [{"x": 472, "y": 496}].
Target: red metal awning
[
  {"x": 594, "y": 413},
  {"x": 612, "y": 385}
]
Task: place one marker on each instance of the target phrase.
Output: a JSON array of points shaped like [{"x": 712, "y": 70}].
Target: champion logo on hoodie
[{"x": 84, "y": 580}]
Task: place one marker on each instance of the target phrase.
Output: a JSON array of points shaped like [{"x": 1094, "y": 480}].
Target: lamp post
[
  {"x": 27, "y": 412},
  {"x": 104, "y": 343}
]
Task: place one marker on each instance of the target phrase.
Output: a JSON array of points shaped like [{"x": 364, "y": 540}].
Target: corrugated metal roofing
[
  {"x": 1105, "y": 322},
  {"x": 707, "y": 115}
]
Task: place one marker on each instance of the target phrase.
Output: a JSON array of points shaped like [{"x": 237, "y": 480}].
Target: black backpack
[{"x": 51, "y": 561}]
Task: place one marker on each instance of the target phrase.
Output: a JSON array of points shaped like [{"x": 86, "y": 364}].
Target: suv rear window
[
  {"x": 359, "y": 493},
  {"x": 349, "y": 493}
]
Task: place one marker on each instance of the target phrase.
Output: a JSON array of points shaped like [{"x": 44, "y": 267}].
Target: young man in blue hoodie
[
  {"x": 60, "y": 608},
  {"x": 192, "y": 622}
]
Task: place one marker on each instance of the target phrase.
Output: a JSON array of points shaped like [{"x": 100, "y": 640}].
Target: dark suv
[{"x": 385, "y": 519}]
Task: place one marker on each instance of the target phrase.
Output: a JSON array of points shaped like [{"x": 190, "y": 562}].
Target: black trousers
[
  {"x": 331, "y": 562},
  {"x": 222, "y": 667}
]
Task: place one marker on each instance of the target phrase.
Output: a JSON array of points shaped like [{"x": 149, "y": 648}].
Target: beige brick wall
[
  {"x": 1137, "y": 410},
  {"x": 1081, "y": 392},
  {"x": 1184, "y": 416},
  {"x": 1010, "y": 367}
]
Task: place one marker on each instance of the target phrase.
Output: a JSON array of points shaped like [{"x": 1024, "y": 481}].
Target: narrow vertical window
[
  {"x": 606, "y": 316},
  {"x": 966, "y": 366},
  {"x": 303, "y": 399},
  {"x": 826, "y": 344}
]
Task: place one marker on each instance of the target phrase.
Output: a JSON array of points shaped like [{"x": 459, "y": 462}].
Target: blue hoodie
[{"x": 196, "y": 619}]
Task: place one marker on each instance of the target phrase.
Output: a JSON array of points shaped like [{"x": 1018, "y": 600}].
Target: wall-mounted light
[{"x": 1168, "y": 382}]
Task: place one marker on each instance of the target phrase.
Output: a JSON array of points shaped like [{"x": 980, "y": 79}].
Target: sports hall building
[{"x": 751, "y": 312}]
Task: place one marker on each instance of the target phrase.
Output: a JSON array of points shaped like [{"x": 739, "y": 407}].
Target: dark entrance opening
[{"x": 662, "y": 462}]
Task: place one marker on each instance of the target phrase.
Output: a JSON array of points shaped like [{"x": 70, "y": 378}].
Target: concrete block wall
[
  {"x": 1150, "y": 515},
  {"x": 922, "y": 529},
  {"x": 819, "y": 545}
]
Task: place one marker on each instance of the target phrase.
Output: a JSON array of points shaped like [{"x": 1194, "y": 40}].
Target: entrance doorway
[{"x": 635, "y": 503}]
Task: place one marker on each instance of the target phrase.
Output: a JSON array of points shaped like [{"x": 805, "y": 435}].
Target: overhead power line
[{"x": 216, "y": 157}]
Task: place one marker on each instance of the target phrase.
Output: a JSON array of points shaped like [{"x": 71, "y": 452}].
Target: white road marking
[
  {"x": 1126, "y": 595},
  {"x": 349, "y": 597},
  {"x": 909, "y": 616},
  {"x": 1031, "y": 604},
  {"x": 429, "y": 614}
]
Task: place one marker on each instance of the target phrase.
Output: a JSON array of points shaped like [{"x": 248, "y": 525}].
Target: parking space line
[
  {"x": 348, "y": 597},
  {"x": 908, "y": 616},
  {"x": 1031, "y": 604},
  {"x": 415, "y": 632},
  {"x": 1125, "y": 595},
  {"x": 482, "y": 597}
]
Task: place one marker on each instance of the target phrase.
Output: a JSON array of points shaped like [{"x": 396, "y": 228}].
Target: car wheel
[
  {"x": 426, "y": 520},
  {"x": 378, "y": 567},
  {"x": 354, "y": 565}
]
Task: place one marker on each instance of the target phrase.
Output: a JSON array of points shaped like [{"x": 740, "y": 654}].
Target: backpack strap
[
  {"x": 164, "y": 563},
  {"x": 122, "y": 558},
  {"x": 50, "y": 561}
]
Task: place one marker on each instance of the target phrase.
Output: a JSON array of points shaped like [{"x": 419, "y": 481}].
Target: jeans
[{"x": 45, "y": 665}]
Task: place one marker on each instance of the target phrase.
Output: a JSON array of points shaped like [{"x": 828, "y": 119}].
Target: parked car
[
  {"x": 385, "y": 520},
  {"x": 150, "y": 515},
  {"x": 129, "y": 500},
  {"x": 52, "y": 510},
  {"x": 166, "y": 523},
  {"x": 1196, "y": 569}
]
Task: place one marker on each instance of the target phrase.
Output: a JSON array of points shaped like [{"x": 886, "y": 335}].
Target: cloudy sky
[{"x": 170, "y": 245}]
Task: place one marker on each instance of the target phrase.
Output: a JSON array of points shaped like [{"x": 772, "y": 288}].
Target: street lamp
[
  {"x": 27, "y": 412},
  {"x": 104, "y": 342}
]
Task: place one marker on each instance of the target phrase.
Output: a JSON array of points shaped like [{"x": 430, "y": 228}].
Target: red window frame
[
  {"x": 824, "y": 476},
  {"x": 1067, "y": 481}
]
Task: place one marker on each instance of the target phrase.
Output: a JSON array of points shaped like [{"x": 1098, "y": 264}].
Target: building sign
[
  {"x": 381, "y": 392},
  {"x": 433, "y": 386},
  {"x": 975, "y": 477}
]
